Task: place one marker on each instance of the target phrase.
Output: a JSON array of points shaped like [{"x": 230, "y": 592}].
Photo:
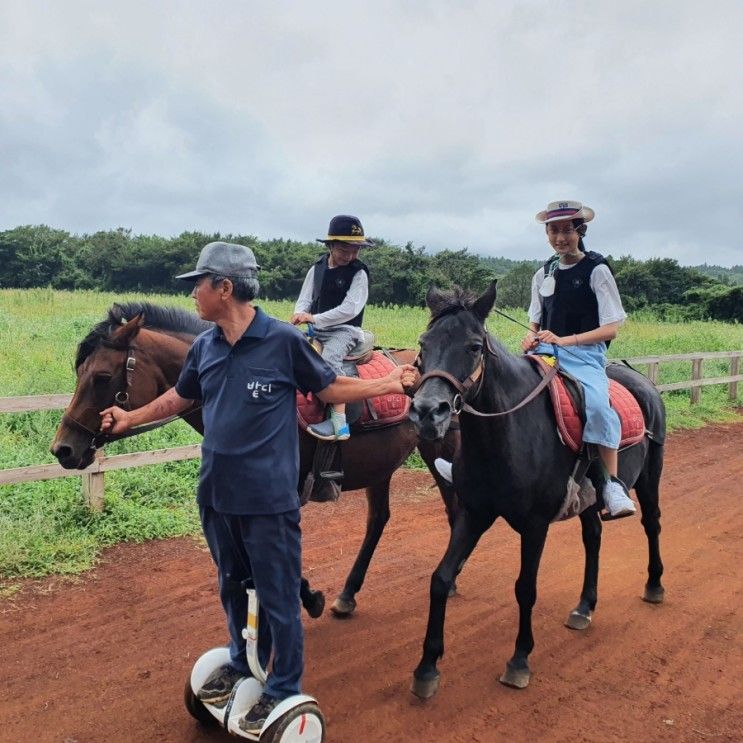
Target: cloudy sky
[{"x": 449, "y": 124}]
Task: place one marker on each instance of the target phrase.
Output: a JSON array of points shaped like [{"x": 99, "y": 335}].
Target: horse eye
[
  {"x": 102, "y": 379},
  {"x": 475, "y": 348}
]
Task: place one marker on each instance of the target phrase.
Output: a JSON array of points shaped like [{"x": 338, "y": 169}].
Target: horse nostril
[
  {"x": 413, "y": 414},
  {"x": 61, "y": 452},
  {"x": 442, "y": 410}
]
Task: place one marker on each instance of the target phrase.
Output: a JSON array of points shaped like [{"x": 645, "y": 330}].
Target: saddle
[
  {"x": 376, "y": 412},
  {"x": 570, "y": 414}
]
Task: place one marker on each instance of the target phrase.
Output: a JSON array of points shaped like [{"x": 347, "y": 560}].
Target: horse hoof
[
  {"x": 343, "y": 607},
  {"x": 516, "y": 678},
  {"x": 425, "y": 688},
  {"x": 316, "y": 605},
  {"x": 654, "y": 595},
  {"x": 576, "y": 620}
]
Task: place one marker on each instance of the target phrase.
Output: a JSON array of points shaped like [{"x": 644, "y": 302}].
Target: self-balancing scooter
[{"x": 297, "y": 719}]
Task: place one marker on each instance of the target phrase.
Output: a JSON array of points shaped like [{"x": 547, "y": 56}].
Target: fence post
[
  {"x": 696, "y": 373},
  {"x": 93, "y": 486},
  {"x": 653, "y": 372},
  {"x": 734, "y": 371}
]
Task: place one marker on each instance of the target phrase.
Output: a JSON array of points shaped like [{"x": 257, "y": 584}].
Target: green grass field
[{"x": 44, "y": 527}]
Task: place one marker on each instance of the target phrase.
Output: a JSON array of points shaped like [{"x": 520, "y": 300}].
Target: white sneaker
[
  {"x": 443, "y": 468},
  {"x": 617, "y": 500}
]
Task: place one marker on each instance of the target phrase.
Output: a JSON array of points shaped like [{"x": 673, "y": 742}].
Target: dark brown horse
[
  {"x": 513, "y": 464},
  {"x": 136, "y": 354}
]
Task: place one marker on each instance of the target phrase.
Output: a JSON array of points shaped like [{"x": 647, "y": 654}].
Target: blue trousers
[
  {"x": 266, "y": 549},
  {"x": 588, "y": 365}
]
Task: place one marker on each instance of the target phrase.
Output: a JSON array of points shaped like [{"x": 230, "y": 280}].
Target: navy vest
[
  {"x": 573, "y": 307},
  {"x": 330, "y": 286}
]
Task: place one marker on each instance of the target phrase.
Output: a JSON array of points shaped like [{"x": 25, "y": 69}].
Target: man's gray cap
[{"x": 223, "y": 259}]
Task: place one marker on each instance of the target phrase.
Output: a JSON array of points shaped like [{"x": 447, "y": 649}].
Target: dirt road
[{"x": 105, "y": 658}]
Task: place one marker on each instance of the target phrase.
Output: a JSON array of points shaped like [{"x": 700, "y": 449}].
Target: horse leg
[
  {"x": 517, "y": 671},
  {"x": 647, "y": 489},
  {"x": 580, "y": 617},
  {"x": 429, "y": 451},
  {"x": 313, "y": 601},
  {"x": 465, "y": 535},
  {"x": 378, "y": 514},
  {"x": 451, "y": 503}
]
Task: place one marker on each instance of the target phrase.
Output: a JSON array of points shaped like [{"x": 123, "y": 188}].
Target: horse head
[
  {"x": 114, "y": 367},
  {"x": 451, "y": 357}
]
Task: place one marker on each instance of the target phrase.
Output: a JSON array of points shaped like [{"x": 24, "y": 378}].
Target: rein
[
  {"x": 460, "y": 405},
  {"x": 100, "y": 438}
]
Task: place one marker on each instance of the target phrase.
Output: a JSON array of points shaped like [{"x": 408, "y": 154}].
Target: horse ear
[
  {"x": 485, "y": 302},
  {"x": 125, "y": 333},
  {"x": 115, "y": 314},
  {"x": 435, "y": 298}
]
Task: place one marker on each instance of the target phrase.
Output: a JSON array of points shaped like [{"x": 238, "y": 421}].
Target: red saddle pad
[
  {"x": 377, "y": 412},
  {"x": 569, "y": 423}
]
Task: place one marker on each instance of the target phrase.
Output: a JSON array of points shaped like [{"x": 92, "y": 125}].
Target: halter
[
  {"x": 121, "y": 397},
  {"x": 460, "y": 405},
  {"x": 98, "y": 438}
]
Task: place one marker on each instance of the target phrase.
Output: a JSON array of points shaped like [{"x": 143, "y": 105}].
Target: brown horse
[{"x": 136, "y": 354}]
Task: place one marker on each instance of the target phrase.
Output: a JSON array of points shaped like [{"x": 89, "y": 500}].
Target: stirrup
[
  {"x": 606, "y": 516},
  {"x": 334, "y": 475}
]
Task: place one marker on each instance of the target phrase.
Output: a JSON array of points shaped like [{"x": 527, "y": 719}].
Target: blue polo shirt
[{"x": 250, "y": 452}]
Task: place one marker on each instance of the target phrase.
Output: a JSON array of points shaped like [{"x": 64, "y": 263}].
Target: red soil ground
[{"x": 105, "y": 658}]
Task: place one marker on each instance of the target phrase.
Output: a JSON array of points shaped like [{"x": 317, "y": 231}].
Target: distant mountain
[
  {"x": 730, "y": 276},
  {"x": 502, "y": 266}
]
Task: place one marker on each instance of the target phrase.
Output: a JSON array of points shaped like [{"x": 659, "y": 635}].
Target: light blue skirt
[{"x": 588, "y": 365}]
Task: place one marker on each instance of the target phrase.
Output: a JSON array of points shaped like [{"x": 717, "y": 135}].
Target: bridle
[
  {"x": 475, "y": 380},
  {"x": 99, "y": 438}
]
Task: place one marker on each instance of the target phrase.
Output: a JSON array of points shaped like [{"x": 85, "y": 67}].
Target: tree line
[{"x": 117, "y": 260}]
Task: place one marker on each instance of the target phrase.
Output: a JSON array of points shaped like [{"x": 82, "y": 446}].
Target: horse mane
[
  {"x": 451, "y": 301},
  {"x": 170, "y": 320},
  {"x": 448, "y": 302}
]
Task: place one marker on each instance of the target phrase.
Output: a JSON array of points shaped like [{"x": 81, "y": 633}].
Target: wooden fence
[{"x": 93, "y": 476}]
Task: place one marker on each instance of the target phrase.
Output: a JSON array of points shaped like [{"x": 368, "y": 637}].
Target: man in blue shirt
[{"x": 245, "y": 371}]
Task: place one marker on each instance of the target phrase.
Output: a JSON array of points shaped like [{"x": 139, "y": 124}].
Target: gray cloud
[{"x": 450, "y": 126}]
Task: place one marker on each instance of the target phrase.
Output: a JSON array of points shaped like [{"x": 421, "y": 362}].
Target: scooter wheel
[
  {"x": 303, "y": 723},
  {"x": 196, "y": 707}
]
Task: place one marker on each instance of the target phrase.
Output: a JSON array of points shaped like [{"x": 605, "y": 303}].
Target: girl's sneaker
[{"x": 617, "y": 500}]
